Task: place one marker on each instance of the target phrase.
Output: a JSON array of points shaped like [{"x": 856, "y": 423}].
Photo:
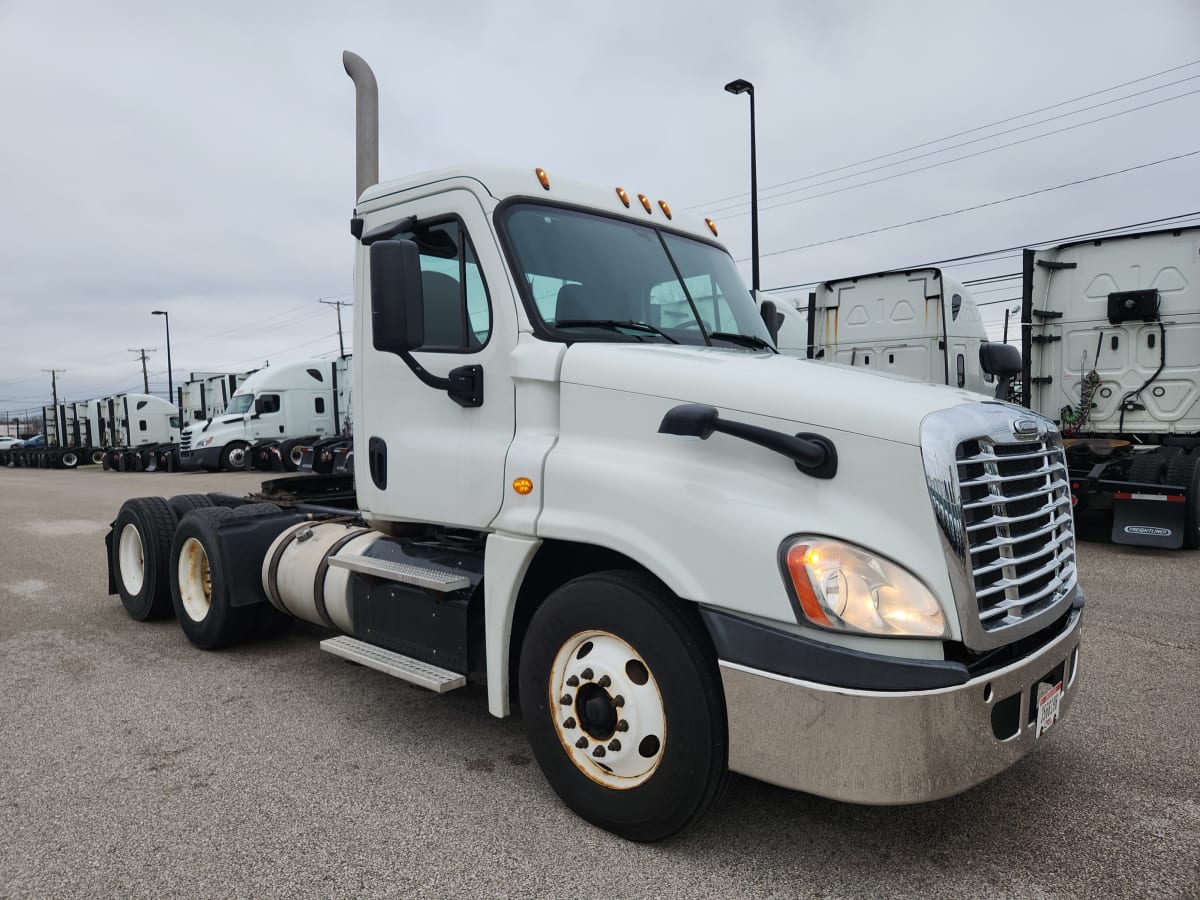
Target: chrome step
[
  {"x": 396, "y": 664},
  {"x": 442, "y": 580}
]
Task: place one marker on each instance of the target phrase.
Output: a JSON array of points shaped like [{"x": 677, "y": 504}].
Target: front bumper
[
  {"x": 204, "y": 458},
  {"x": 892, "y": 747}
]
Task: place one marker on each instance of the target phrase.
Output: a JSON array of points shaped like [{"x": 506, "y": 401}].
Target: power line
[
  {"x": 958, "y": 134},
  {"x": 955, "y": 212},
  {"x": 945, "y": 162},
  {"x": 976, "y": 258}
]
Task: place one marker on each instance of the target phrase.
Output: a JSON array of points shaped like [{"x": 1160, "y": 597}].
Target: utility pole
[
  {"x": 339, "y": 304},
  {"x": 54, "y": 373},
  {"x": 145, "y": 377}
]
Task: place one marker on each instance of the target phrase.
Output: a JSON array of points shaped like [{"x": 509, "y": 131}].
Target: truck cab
[
  {"x": 916, "y": 323},
  {"x": 277, "y": 402}
]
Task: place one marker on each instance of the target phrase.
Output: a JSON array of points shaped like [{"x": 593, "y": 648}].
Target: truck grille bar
[{"x": 1001, "y": 493}]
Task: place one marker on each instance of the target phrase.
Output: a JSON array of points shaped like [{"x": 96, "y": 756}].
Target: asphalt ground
[{"x": 133, "y": 765}]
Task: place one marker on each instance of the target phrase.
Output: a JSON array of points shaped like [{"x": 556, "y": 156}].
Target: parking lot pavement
[{"x": 137, "y": 766}]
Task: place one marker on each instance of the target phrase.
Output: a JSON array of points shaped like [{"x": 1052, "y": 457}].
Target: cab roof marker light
[
  {"x": 646, "y": 203},
  {"x": 624, "y": 196},
  {"x": 543, "y": 177},
  {"x": 665, "y": 207},
  {"x": 712, "y": 226}
]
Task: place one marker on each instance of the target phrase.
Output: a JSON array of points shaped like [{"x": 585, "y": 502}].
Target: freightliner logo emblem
[{"x": 1025, "y": 428}]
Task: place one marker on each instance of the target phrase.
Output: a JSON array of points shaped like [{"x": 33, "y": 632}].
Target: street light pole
[
  {"x": 742, "y": 86},
  {"x": 170, "y": 378}
]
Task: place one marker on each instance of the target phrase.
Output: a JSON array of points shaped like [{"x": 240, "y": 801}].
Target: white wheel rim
[
  {"x": 195, "y": 580},
  {"x": 296, "y": 455},
  {"x": 622, "y": 746},
  {"x": 132, "y": 560},
  {"x": 69, "y": 459},
  {"x": 237, "y": 458}
]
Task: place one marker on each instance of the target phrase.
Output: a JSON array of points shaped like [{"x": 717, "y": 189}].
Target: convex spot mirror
[{"x": 397, "y": 305}]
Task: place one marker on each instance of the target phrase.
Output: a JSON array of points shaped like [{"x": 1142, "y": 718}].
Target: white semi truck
[
  {"x": 680, "y": 551},
  {"x": 915, "y": 323},
  {"x": 1111, "y": 341},
  {"x": 297, "y": 400},
  {"x": 205, "y": 394}
]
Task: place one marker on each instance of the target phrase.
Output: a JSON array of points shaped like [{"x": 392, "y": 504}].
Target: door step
[
  {"x": 395, "y": 664},
  {"x": 443, "y": 580}
]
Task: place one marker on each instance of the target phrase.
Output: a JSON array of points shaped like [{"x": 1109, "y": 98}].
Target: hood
[{"x": 817, "y": 394}]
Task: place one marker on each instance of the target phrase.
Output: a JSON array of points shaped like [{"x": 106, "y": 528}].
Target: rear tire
[
  {"x": 623, "y": 706},
  {"x": 1185, "y": 470},
  {"x": 200, "y": 588},
  {"x": 141, "y": 557},
  {"x": 1147, "y": 468},
  {"x": 182, "y": 504}
]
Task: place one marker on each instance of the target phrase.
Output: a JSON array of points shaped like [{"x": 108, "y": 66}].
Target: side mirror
[
  {"x": 771, "y": 318},
  {"x": 1004, "y": 362},
  {"x": 1001, "y": 360},
  {"x": 397, "y": 304}
]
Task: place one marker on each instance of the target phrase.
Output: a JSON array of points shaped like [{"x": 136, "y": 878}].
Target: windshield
[
  {"x": 599, "y": 278},
  {"x": 239, "y": 404}
]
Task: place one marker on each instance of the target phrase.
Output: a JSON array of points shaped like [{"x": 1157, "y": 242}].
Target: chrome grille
[
  {"x": 185, "y": 441},
  {"x": 1016, "y": 503},
  {"x": 998, "y": 481}
]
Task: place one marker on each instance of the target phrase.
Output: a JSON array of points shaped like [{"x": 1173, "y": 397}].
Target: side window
[
  {"x": 319, "y": 403},
  {"x": 267, "y": 403},
  {"x": 458, "y": 316},
  {"x": 955, "y": 306}
]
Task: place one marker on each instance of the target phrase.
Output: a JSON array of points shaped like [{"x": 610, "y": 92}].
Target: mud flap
[{"x": 1148, "y": 520}]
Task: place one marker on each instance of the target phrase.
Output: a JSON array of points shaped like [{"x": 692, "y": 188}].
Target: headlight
[
  {"x": 203, "y": 442},
  {"x": 846, "y": 588}
]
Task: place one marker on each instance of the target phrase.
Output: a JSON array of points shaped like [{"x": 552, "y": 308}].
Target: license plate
[{"x": 1047, "y": 708}]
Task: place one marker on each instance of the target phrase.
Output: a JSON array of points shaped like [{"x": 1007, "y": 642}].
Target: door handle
[{"x": 377, "y": 461}]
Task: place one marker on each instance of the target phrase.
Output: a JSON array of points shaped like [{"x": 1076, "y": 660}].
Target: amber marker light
[
  {"x": 522, "y": 486},
  {"x": 665, "y": 207},
  {"x": 624, "y": 197},
  {"x": 543, "y": 178},
  {"x": 798, "y": 559},
  {"x": 712, "y": 226},
  {"x": 646, "y": 202}
]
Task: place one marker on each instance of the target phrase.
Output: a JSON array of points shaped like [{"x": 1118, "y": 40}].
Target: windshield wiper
[
  {"x": 746, "y": 340},
  {"x": 614, "y": 325}
]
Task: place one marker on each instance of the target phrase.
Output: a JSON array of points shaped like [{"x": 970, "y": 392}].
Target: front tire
[
  {"x": 623, "y": 705},
  {"x": 235, "y": 457},
  {"x": 141, "y": 555}
]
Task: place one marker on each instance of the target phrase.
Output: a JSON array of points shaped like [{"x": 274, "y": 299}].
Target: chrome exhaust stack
[{"x": 366, "y": 121}]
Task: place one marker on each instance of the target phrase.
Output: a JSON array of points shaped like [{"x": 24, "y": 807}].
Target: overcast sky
[{"x": 198, "y": 157}]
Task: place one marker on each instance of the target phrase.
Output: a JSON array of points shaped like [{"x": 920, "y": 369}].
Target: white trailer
[
  {"x": 206, "y": 394},
  {"x": 1111, "y": 340},
  {"x": 685, "y": 552},
  {"x": 290, "y": 401}
]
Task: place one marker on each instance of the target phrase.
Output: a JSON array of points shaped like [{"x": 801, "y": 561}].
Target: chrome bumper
[{"x": 881, "y": 747}]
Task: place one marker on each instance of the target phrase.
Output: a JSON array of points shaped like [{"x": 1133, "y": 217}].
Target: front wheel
[
  {"x": 622, "y": 705},
  {"x": 235, "y": 456}
]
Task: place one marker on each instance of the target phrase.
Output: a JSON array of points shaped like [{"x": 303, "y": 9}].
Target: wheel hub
[{"x": 607, "y": 710}]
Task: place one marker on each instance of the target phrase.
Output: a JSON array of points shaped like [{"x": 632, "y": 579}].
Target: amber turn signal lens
[
  {"x": 522, "y": 485},
  {"x": 797, "y": 559},
  {"x": 543, "y": 178}
]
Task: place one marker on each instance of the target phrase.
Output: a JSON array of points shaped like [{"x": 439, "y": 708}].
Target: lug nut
[
  {"x": 622, "y": 725},
  {"x": 598, "y": 752},
  {"x": 573, "y": 681},
  {"x": 587, "y": 673},
  {"x": 570, "y": 723},
  {"x": 581, "y": 743},
  {"x": 618, "y": 701},
  {"x": 614, "y": 745},
  {"x": 565, "y": 700},
  {"x": 604, "y": 681}
]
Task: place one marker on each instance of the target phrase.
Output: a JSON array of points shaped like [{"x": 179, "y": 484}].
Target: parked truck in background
[
  {"x": 1111, "y": 347},
  {"x": 682, "y": 552},
  {"x": 206, "y": 394},
  {"x": 915, "y": 323},
  {"x": 297, "y": 402}
]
